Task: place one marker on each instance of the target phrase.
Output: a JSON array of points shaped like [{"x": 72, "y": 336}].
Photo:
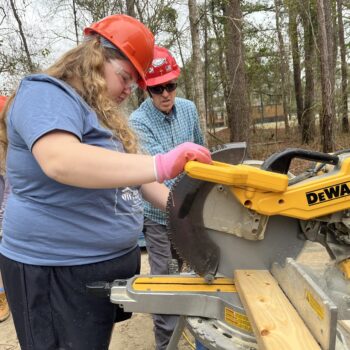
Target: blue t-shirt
[
  {"x": 49, "y": 223},
  {"x": 4, "y": 193}
]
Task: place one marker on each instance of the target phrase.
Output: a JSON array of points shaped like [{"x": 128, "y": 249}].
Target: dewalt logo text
[{"x": 328, "y": 193}]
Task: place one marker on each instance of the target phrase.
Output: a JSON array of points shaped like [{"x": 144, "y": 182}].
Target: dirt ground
[{"x": 133, "y": 334}]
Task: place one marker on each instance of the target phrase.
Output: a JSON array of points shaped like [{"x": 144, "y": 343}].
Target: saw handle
[
  {"x": 280, "y": 162},
  {"x": 237, "y": 175}
]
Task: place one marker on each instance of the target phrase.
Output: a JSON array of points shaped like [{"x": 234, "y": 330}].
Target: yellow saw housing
[{"x": 268, "y": 193}]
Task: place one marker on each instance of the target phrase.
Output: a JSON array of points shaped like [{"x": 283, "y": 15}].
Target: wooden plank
[
  {"x": 345, "y": 324},
  {"x": 275, "y": 322}
]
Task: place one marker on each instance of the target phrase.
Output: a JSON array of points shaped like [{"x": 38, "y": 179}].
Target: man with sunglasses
[{"x": 162, "y": 122}]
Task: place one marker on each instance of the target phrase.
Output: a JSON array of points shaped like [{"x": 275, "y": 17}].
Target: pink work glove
[{"x": 171, "y": 164}]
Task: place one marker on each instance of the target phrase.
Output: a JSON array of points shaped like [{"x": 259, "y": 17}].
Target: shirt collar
[
  {"x": 167, "y": 117},
  {"x": 172, "y": 115}
]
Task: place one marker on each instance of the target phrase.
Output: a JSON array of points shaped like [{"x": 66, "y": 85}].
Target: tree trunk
[
  {"x": 30, "y": 64},
  {"x": 325, "y": 39},
  {"x": 293, "y": 34},
  {"x": 221, "y": 54},
  {"x": 344, "y": 72},
  {"x": 197, "y": 64},
  {"x": 308, "y": 117},
  {"x": 206, "y": 70},
  {"x": 75, "y": 19},
  {"x": 184, "y": 73},
  {"x": 130, "y": 9},
  {"x": 283, "y": 66},
  {"x": 335, "y": 37},
  {"x": 237, "y": 102}
]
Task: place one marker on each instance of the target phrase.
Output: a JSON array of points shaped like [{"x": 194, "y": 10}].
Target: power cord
[{"x": 189, "y": 342}]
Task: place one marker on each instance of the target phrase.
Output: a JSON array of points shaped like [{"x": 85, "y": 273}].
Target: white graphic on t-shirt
[{"x": 128, "y": 201}]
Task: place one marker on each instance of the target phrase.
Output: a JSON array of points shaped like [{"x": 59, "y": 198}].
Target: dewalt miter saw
[{"x": 242, "y": 214}]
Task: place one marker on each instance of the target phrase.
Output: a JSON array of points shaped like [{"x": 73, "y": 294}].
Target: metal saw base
[
  {"x": 222, "y": 325},
  {"x": 213, "y": 312}
]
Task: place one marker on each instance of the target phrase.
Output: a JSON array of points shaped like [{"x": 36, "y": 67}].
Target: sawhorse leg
[{"x": 175, "y": 338}]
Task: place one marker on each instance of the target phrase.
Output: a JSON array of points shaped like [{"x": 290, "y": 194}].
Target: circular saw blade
[{"x": 208, "y": 240}]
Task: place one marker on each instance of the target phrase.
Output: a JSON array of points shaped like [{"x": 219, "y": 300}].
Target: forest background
[{"x": 273, "y": 73}]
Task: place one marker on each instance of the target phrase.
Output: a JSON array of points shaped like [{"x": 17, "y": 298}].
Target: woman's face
[{"x": 121, "y": 79}]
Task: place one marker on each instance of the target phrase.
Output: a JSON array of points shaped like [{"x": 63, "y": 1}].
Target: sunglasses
[{"x": 158, "y": 89}]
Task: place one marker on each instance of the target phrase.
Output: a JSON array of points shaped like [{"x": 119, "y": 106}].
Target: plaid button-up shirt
[{"x": 160, "y": 133}]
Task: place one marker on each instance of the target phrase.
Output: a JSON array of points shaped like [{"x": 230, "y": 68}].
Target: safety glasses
[
  {"x": 128, "y": 81},
  {"x": 158, "y": 89}
]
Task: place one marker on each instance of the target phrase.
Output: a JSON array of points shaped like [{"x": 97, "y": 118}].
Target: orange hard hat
[
  {"x": 130, "y": 36},
  {"x": 3, "y": 100},
  {"x": 163, "y": 68}
]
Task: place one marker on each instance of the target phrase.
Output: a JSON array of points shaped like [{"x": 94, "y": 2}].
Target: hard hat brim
[{"x": 163, "y": 79}]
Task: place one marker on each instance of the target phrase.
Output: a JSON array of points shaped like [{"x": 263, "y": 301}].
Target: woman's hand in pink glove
[{"x": 171, "y": 164}]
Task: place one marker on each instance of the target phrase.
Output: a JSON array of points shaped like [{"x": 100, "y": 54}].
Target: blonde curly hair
[{"x": 83, "y": 68}]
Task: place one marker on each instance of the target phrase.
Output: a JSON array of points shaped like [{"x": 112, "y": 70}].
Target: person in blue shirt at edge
[
  {"x": 162, "y": 122},
  {"x": 75, "y": 209},
  {"x": 4, "y": 191}
]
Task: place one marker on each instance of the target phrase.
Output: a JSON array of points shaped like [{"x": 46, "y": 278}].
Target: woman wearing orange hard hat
[{"x": 75, "y": 210}]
